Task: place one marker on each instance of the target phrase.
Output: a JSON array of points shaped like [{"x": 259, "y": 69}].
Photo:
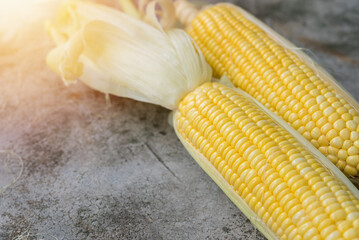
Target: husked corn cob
[
  {"x": 280, "y": 180},
  {"x": 281, "y": 80}
]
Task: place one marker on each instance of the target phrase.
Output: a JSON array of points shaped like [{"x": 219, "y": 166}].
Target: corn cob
[
  {"x": 275, "y": 175},
  {"x": 283, "y": 185},
  {"x": 286, "y": 81}
]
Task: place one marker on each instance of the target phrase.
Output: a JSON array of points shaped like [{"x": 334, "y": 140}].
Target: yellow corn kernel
[
  {"x": 285, "y": 186},
  {"x": 254, "y": 61}
]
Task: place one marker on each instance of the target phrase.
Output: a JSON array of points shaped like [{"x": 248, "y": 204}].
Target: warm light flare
[{"x": 22, "y": 21}]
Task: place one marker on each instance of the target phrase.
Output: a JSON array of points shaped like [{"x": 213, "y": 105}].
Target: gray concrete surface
[{"x": 97, "y": 171}]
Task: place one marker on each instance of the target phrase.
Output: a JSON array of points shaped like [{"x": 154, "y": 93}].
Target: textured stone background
[{"x": 97, "y": 171}]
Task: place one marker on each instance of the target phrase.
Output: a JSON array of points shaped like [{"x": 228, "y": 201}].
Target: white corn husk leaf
[{"x": 115, "y": 53}]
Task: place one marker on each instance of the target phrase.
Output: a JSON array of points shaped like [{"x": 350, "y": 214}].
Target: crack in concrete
[{"x": 161, "y": 161}]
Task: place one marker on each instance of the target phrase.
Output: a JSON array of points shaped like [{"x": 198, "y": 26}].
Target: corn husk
[{"x": 111, "y": 51}]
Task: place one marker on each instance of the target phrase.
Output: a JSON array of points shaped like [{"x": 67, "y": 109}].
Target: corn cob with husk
[
  {"x": 284, "y": 185},
  {"x": 280, "y": 76}
]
